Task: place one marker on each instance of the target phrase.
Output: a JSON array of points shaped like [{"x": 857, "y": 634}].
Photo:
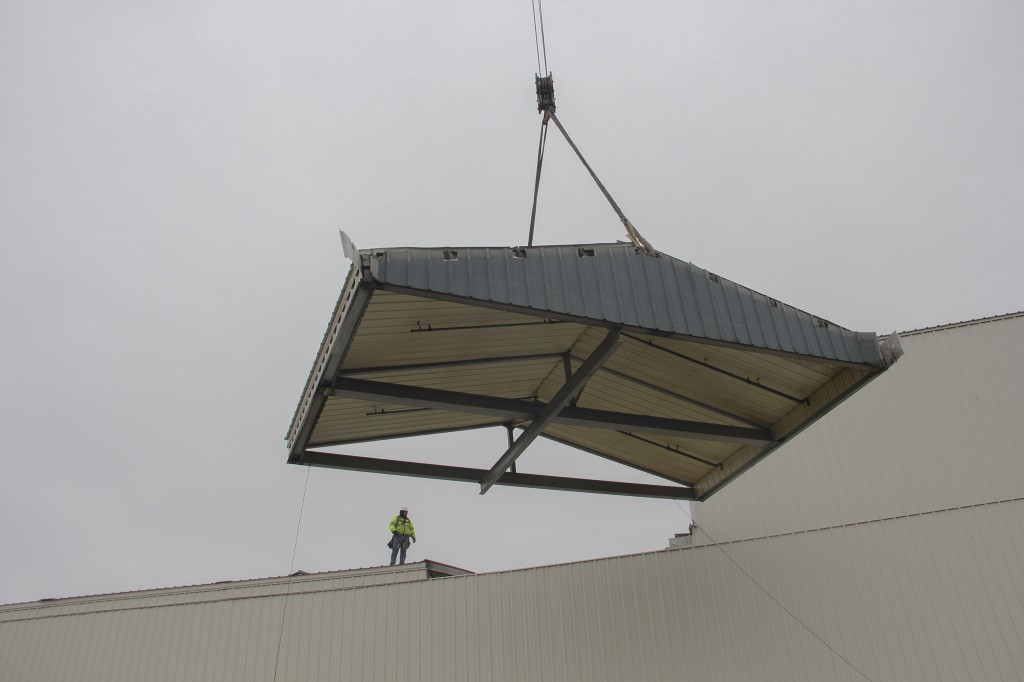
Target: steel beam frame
[
  {"x": 569, "y": 389},
  {"x": 505, "y": 409},
  {"x": 469, "y": 475},
  {"x": 512, "y": 410}
]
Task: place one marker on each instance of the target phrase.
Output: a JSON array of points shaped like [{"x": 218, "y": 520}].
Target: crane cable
[
  {"x": 546, "y": 106},
  {"x": 633, "y": 233},
  {"x": 538, "y": 35},
  {"x": 541, "y": 45},
  {"x": 536, "y": 182}
]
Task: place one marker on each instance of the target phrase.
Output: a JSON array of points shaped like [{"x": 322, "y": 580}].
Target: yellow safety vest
[{"x": 400, "y": 526}]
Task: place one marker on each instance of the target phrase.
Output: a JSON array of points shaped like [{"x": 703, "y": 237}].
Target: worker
[{"x": 401, "y": 531}]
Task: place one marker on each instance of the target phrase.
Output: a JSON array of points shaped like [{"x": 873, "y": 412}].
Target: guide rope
[
  {"x": 291, "y": 571},
  {"x": 693, "y": 525}
]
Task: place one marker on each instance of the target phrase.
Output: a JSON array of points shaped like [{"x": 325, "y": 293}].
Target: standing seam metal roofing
[{"x": 618, "y": 285}]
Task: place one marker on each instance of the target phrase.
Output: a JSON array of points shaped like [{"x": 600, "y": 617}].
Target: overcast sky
[{"x": 173, "y": 176}]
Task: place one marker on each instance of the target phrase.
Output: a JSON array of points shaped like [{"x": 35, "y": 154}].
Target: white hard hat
[{"x": 405, "y": 509}]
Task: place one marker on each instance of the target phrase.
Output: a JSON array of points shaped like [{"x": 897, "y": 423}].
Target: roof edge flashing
[
  {"x": 352, "y": 302},
  {"x": 891, "y": 349},
  {"x": 348, "y": 247}
]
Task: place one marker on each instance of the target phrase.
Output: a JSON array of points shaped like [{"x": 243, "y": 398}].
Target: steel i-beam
[{"x": 565, "y": 394}]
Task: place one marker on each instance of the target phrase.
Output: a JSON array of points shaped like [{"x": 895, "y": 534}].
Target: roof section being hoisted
[{"x": 645, "y": 360}]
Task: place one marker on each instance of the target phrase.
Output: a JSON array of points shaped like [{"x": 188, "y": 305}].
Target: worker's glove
[{"x": 414, "y": 539}]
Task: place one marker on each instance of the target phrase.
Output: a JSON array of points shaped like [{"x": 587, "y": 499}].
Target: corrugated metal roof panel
[{"x": 617, "y": 285}]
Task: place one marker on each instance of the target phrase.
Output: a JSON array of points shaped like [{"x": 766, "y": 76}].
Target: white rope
[
  {"x": 291, "y": 570},
  {"x": 770, "y": 596}
]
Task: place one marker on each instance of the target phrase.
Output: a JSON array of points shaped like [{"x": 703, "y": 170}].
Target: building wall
[
  {"x": 886, "y": 596},
  {"x": 229, "y": 590},
  {"x": 937, "y": 431},
  {"x": 885, "y": 543}
]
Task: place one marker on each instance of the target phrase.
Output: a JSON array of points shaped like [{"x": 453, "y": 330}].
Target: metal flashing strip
[
  {"x": 352, "y": 303},
  {"x": 470, "y": 475}
]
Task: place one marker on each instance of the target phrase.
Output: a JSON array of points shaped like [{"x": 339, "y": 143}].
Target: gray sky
[{"x": 173, "y": 176}]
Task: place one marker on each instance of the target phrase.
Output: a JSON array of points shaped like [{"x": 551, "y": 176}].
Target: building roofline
[
  {"x": 432, "y": 568},
  {"x": 965, "y": 323}
]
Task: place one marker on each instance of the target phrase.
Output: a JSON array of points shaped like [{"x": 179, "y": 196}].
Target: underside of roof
[{"x": 641, "y": 359}]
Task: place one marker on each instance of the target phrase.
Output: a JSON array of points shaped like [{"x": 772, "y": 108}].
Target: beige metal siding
[
  {"x": 226, "y": 591},
  {"x": 931, "y": 597},
  {"x": 936, "y": 431}
]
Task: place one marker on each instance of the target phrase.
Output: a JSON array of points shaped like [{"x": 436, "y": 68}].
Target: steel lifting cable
[
  {"x": 536, "y": 182},
  {"x": 546, "y": 106},
  {"x": 538, "y": 35},
  {"x": 634, "y": 234},
  {"x": 541, "y": 45}
]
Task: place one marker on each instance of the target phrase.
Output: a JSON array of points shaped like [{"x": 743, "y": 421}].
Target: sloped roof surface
[
  {"x": 645, "y": 360},
  {"x": 614, "y": 283}
]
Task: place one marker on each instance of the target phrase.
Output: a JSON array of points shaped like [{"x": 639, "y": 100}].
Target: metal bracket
[{"x": 545, "y": 94}]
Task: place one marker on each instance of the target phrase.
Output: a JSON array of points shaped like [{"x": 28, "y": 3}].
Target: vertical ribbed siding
[
  {"x": 936, "y": 431},
  {"x": 929, "y": 597},
  {"x": 926, "y": 596}
]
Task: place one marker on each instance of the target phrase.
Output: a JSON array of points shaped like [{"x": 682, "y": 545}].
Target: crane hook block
[{"x": 545, "y": 94}]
